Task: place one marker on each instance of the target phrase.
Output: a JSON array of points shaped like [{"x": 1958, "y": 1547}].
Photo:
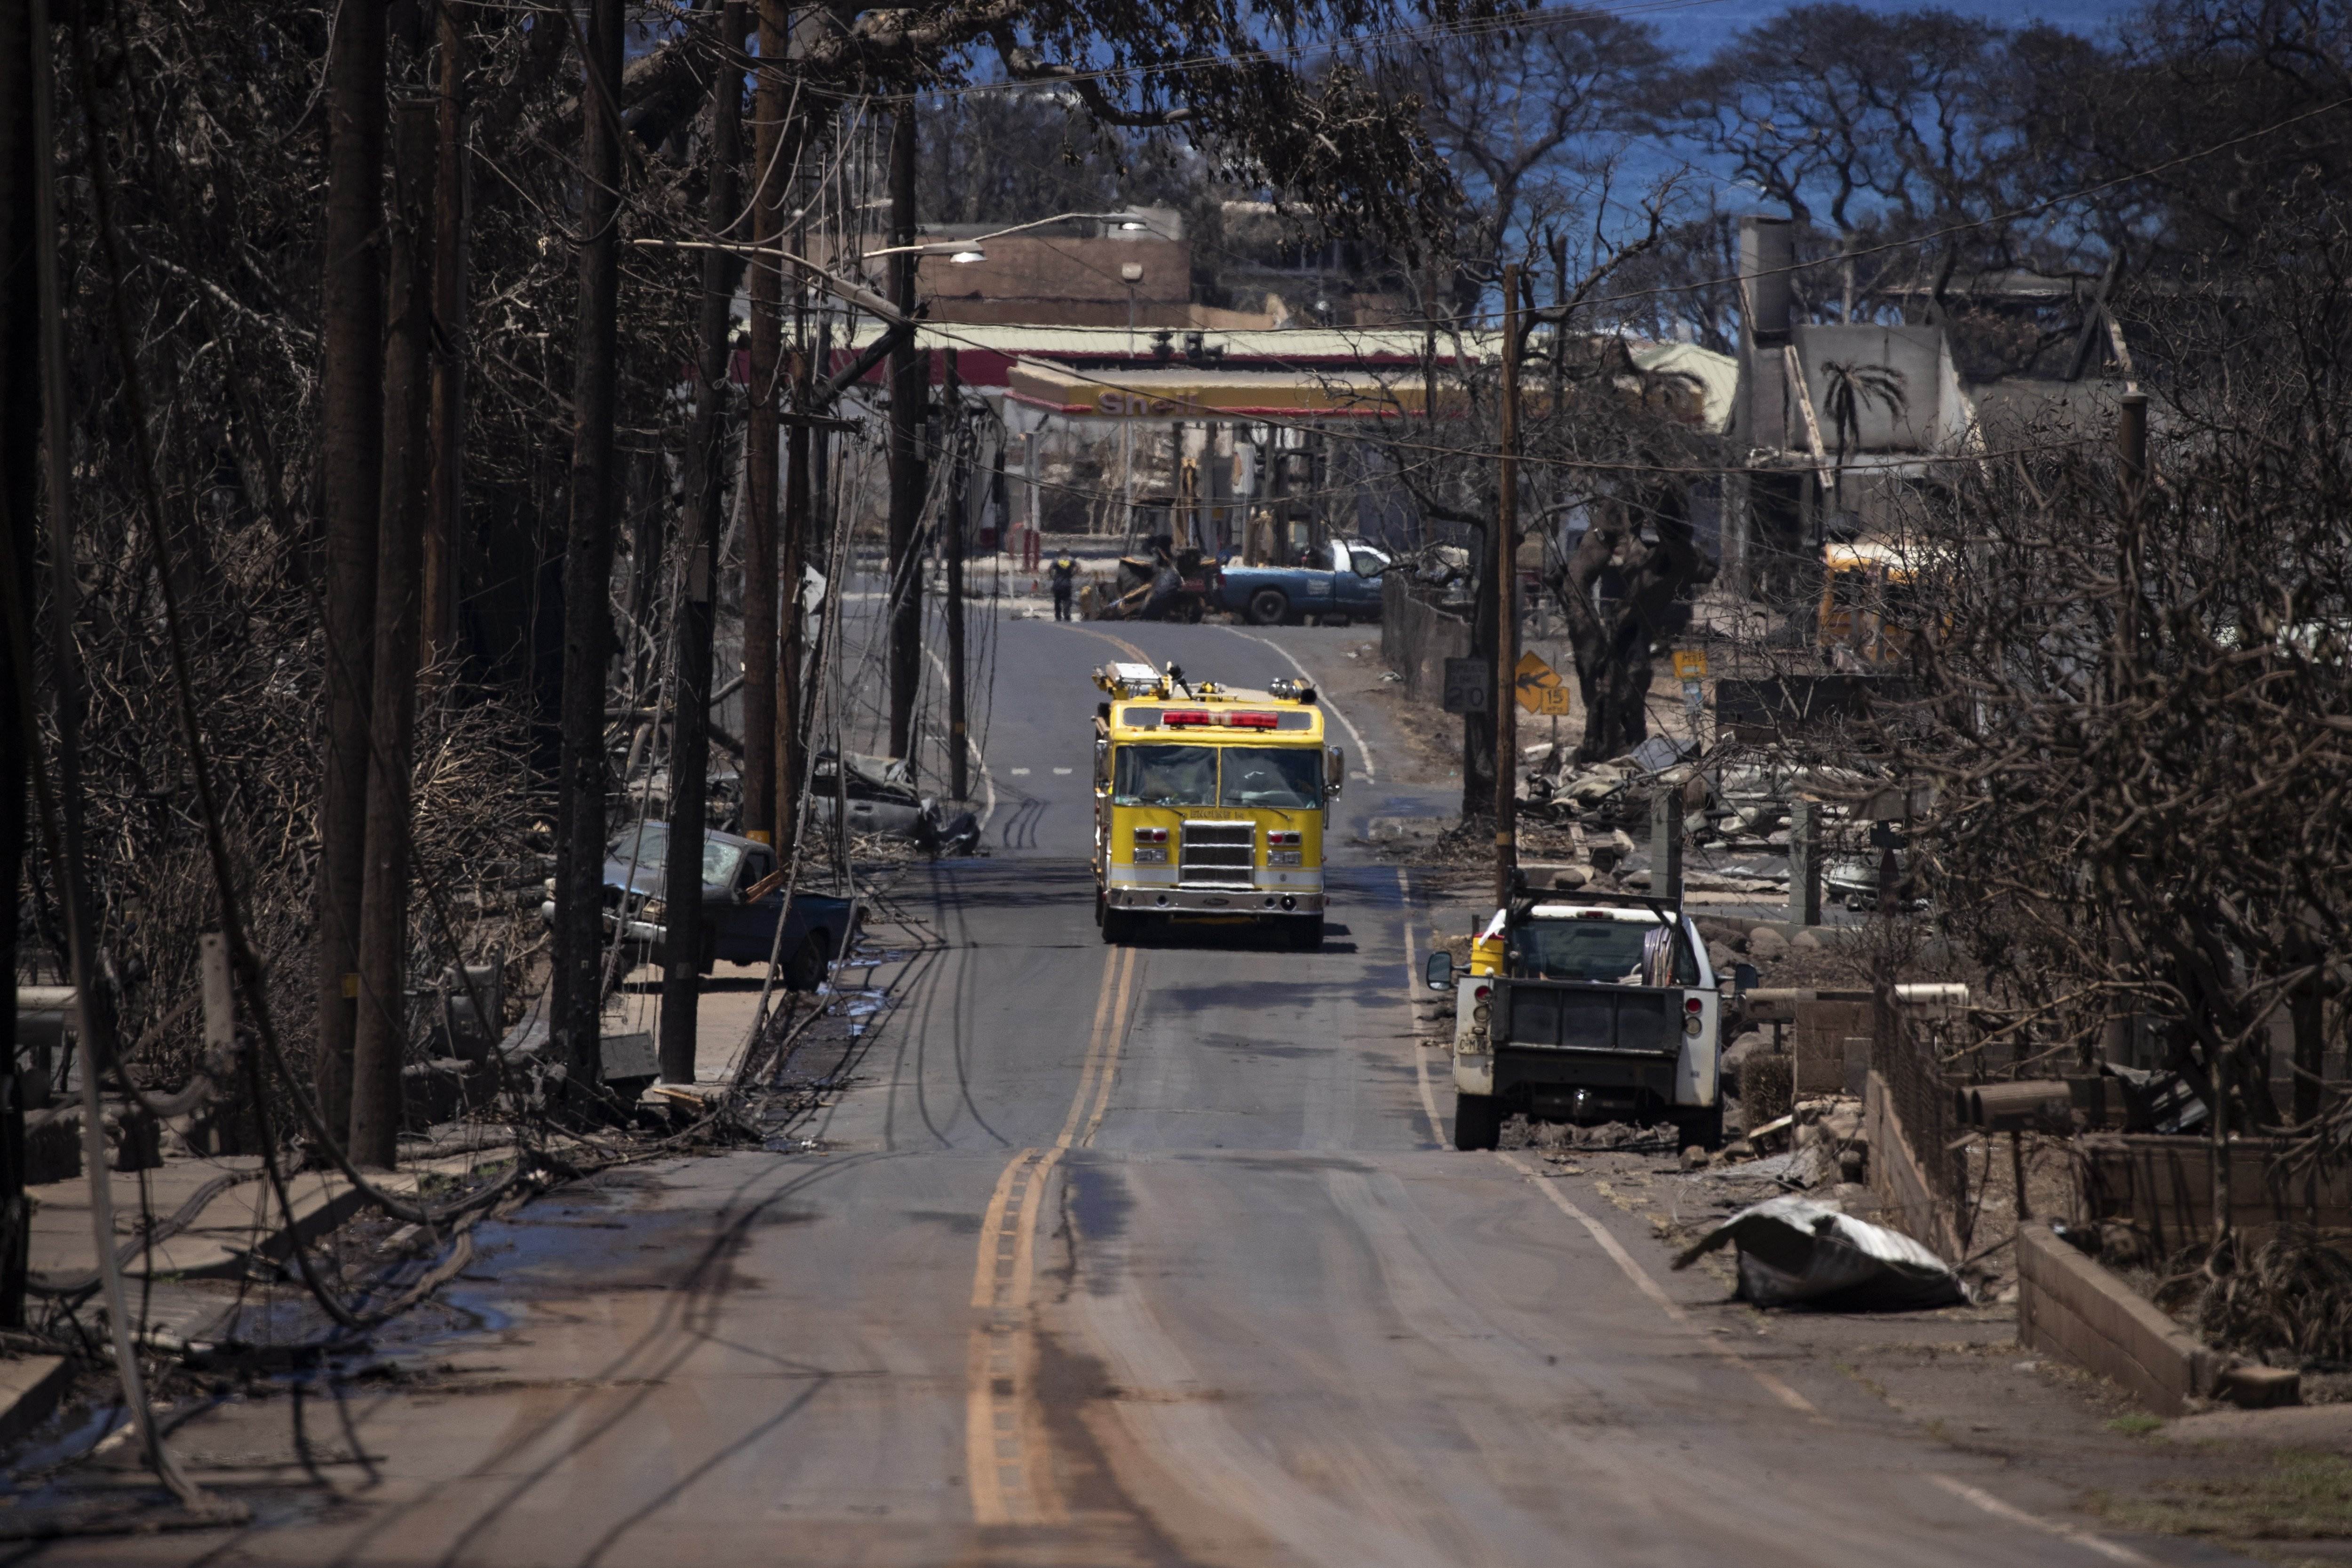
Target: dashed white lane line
[
  {"x": 1018, "y": 773},
  {"x": 1354, "y": 734},
  {"x": 1420, "y": 1051},
  {"x": 1061, "y": 770},
  {"x": 1649, "y": 1286},
  {"x": 2114, "y": 1551}
]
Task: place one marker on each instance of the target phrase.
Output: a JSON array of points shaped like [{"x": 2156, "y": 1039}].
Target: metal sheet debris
[{"x": 1798, "y": 1252}]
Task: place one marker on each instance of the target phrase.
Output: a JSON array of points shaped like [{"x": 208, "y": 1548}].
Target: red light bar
[
  {"x": 1187, "y": 716},
  {"x": 1252, "y": 720}
]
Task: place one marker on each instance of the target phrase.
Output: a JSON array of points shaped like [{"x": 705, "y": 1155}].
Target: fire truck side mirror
[
  {"x": 1439, "y": 972},
  {"x": 1335, "y": 769}
]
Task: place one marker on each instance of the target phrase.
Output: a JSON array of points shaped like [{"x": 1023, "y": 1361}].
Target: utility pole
[
  {"x": 381, "y": 1029},
  {"x": 706, "y": 499},
  {"x": 792, "y": 715},
  {"x": 444, "y": 525},
  {"x": 1429, "y": 346},
  {"x": 759, "y": 436},
  {"x": 951, "y": 418},
  {"x": 30, "y": 409},
  {"x": 910, "y": 389},
  {"x": 576, "y": 981},
  {"x": 352, "y": 442},
  {"x": 1507, "y": 605}
]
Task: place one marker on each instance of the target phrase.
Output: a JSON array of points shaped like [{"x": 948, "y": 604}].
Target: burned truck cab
[{"x": 1585, "y": 1008}]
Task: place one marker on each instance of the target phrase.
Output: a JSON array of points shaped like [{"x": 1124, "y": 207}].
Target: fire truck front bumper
[{"x": 1168, "y": 901}]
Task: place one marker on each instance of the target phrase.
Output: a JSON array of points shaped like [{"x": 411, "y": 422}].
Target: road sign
[
  {"x": 1539, "y": 687},
  {"x": 1467, "y": 682},
  {"x": 1690, "y": 664}
]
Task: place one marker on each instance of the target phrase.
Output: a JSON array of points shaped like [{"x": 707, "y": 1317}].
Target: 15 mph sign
[{"x": 1540, "y": 690}]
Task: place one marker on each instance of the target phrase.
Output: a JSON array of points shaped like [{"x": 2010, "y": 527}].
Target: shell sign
[{"x": 1133, "y": 403}]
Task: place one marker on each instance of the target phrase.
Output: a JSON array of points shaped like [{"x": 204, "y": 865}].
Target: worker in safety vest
[{"x": 1065, "y": 573}]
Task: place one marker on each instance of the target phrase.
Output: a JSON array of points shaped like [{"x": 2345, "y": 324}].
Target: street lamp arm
[
  {"x": 979, "y": 239},
  {"x": 840, "y": 288}
]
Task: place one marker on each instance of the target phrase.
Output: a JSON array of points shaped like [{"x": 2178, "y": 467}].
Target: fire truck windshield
[
  {"x": 1285, "y": 778},
  {"x": 1281, "y": 778},
  {"x": 1165, "y": 775}
]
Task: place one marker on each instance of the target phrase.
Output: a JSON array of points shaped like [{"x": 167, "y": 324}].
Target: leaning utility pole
[
  {"x": 576, "y": 1004},
  {"x": 381, "y": 1030},
  {"x": 910, "y": 389},
  {"x": 706, "y": 499},
  {"x": 953, "y": 517},
  {"x": 352, "y": 442},
  {"x": 444, "y": 525},
  {"x": 760, "y": 443},
  {"x": 792, "y": 567},
  {"x": 1507, "y": 605}
]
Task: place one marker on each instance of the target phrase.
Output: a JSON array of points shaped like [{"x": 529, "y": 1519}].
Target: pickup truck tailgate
[{"x": 1615, "y": 1018}]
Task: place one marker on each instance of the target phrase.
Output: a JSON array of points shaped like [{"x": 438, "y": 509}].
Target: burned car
[
  {"x": 742, "y": 902},
  {"x": 882, "y": 798}
]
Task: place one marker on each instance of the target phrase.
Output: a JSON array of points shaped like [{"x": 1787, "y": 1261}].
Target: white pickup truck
[{"x": 1585, "y": 1007}]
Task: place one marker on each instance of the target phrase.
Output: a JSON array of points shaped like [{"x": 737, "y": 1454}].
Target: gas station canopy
[{"x": 1190, "y": 393}]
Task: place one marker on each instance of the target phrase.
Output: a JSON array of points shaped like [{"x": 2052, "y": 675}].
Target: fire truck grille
[{"x": 1217, "y": 854}]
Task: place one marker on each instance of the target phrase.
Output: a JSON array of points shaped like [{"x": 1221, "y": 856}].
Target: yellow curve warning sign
[{"x": 1539, "y": 687}]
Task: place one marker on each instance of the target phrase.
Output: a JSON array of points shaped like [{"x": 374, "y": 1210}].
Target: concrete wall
[
  {"x": 2163, "y": 1185},
  {"x": 2069, "y": 1306}
]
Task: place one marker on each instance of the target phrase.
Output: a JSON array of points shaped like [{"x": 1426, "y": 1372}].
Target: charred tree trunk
[
  {"x": 2307, "y": 1012},
  {"x": 1613, "y": 646},
  {"x": 352, "y": 435},
  {"x": 381, "y": 1030},
  {"x": 577, "y": 1003},
  {"x": 909, "y": 391},
  {"x": 445, "y": 527},
  {"x": 689, "y": 756},
  {"x": 24, "y": 51},
  {"x": 759, "y": 440}
]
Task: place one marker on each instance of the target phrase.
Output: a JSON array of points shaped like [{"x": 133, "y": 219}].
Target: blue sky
[{"x": 1697, "y": 27}]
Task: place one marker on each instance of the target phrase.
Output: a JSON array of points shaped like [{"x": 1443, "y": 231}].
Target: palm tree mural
[{"x": 1851, "y": 389}]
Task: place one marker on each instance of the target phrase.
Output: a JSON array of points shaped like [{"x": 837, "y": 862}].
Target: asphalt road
[{"x": 1148, "y": 1256}]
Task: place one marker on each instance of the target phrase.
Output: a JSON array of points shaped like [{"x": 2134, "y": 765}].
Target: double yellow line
[{"x": 1007, "y": 1453}]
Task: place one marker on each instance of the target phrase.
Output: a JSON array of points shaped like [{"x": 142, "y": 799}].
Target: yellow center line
[
  {"x": 1007, "y": 1451},
  {"x": 1122, "y": 644}
]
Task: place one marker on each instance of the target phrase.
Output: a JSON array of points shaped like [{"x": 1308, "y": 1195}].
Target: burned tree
[{"x": 1642, "y": 538}]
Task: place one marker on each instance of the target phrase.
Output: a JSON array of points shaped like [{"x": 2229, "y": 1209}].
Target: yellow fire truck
[{"x": 1211, "y": 804}]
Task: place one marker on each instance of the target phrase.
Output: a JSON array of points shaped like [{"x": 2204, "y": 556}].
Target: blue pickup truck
[{"x": 1338, "y": 581}]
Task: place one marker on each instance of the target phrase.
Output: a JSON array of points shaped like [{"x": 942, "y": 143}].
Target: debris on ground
[
  {"x": 1797, "y": 1252},
  {"x": 1619, "y": 1137}
]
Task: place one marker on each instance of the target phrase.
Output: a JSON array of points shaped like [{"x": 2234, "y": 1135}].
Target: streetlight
[
  {"x": 957, "y": 250},
  {"x": 1131, "y": 273}
]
